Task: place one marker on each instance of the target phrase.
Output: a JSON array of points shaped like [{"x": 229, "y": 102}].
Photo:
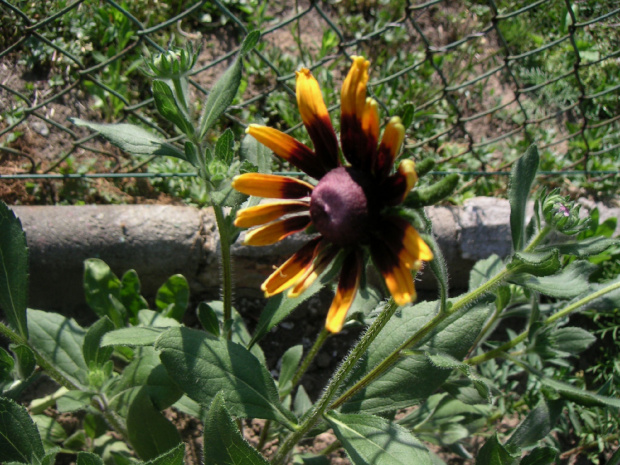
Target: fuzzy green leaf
[
  {"x": 570, "y": 282},
  {"x": 521, "y": 179},
  {"x": 432, "y": 194},
  {"x": 250, "y": 41},
  {"x": 59, "y": 340},
  {"x": 13, "y": 270},
  {"x": 256, "y": 153},
  {"x": 92, "y": 350},
  {"x": 173, "y": 297},
  {"x": 585, "y": 247},
  {"x": 174, "y": 456},
  {"x": 204, "y": 365},
  {"x": 537, "y": 424},
  {"x": 223, "y": 442},
  {"x": 536, "y": 263},
  {"x": 134, "y": 336},
  {"x": 224, "y": 147},
  {"x": 290, "y": 362},
  {"x": 19, "y": 436},
  {"x": 494, "y": 453},
  {"x": 88, "y": 458},
  {"x": 371, "y": 440},
  {"x": 540, "y": 456},
  {"x": 133, "y": 139},
  {"x": 99, "y": 284},
  {"x": 415, "y": 377},
  {"x": 149, "y": 432},
  {"x": 167, "y": 106}
]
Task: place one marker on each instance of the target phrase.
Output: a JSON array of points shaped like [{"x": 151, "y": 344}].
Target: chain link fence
[{"x": 485, "y": 78}]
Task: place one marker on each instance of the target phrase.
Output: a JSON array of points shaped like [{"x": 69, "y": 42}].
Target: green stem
[
  {"x": 419, "y": 335},
  {"x": 226, "y": 262},
  {"x": 538, "y": 239},
  {"x": 310, "y": 356},
  {"x": 499, "y": 351},
  {"x": 339, "y": 377}
]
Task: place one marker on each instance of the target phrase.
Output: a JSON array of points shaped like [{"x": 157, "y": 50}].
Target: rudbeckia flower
[{"x": 350, "y": 205}]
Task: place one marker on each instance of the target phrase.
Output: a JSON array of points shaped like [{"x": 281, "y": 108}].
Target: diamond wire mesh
[{"x": 480, "y": 90}]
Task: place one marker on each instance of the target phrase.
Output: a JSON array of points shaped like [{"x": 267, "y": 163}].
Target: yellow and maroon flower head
[{"x": 347, "y": 207}]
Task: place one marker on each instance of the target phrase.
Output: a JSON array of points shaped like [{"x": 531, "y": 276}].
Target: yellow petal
[
  {"x": 276, "y": 231},
  {"x": 261, "y": 214},
  {"x": 348, "y": 285},
  {"x": 272, "y": 186},
  {"x": 291, "y": 270},
  {"x": 353, "y": 94}
]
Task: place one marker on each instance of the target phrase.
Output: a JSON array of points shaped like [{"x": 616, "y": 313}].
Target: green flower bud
[
  {"x": 172, "y": 64},
  {"x": 562, "y": 214}
]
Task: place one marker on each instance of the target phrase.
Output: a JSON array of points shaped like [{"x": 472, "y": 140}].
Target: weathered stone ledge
[{"x": 160, "y": 240}]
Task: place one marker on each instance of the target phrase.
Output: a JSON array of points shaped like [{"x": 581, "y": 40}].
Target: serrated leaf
[
  {"x": 92, "y": 350},
  {"x": 223, "y": 442},
  {"x": 167, "y": 106},
  {"x": 59, "y": 340},
  {"x": 88, "y": 458},
  {"x": 537, "y": 424},
  {"x": 584, "y": 248},
  {"x": 570, "y": 282},
  {"x": 149, "y": 432},
  {"x": 522, "y": 177},
  {"x": 173, "y": 297},
  {"x": 221, "y": 96},
  {"x": 371, "y": 440},
  {"x": 174, "y": 456},
  {"x": 224, "y": 147},
  {"x": 133, "y": 139},
  {"x": 535, "y": 263},
  {"x": 413, "y": 378},
  {"x": 13, "y": 270},
  {"x": 204, "y": 365},
  {"x": 494, "y": 453},
  {"x": 19, "y": 436}
]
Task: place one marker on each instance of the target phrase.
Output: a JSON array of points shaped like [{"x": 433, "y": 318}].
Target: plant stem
[
  {"x": 538, "y": 238},
  {"x": 339, "y": 377},
  {"x": 419, "y": 335},
  {"x": 310, "y": 356},
  {"x": 498, "y": 351},
  {"x": 226, "y": 262}
]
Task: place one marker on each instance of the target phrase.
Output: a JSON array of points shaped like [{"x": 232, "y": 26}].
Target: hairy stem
[
  {"x": 226, "y": 262},
  {"x": 339, "y": 377},
  {"x": 310, "y": 356}
]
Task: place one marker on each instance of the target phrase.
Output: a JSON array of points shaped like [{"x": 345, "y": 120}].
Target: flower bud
[
  {"x": 172, "y": 64},
  {"x": 562, "y": 214}
]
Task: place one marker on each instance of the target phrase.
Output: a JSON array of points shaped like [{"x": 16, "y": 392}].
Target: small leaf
[
  {"x": 92, "y": 350},
  {"x": 72, "y": 401},
  {"x": 535, "y": 263},
  {"x": 59, "y": 340},
  {"x": 208, "y": 319},
  {"x": 134, "y": 336},
  {"x": 224, "y": 147},
  {"x": 406, "y": 115},
  {"x": 543, "y": 455},
  {"x": 494, "y": 453},
  {"x": 250, "y": 41},
  {"x": 585, "y": 247},
  {"x": 521, "y": 179},
  {"x": 133, "y": 139},
  {"x": 204, "y": 365},
  {"x": 130, "y": 295},
  {"x": 26, "y": 362},
  {"x": 579, "y": 396},
  {"x": 572, "y": 340},
  {"x": 13, "y": 270},
  {"x": 19, "y": 436},
  {"x": 223, "y": 442},
  {"x": 173, "y": 297},
  {"x": 99, "y": 283},
  {"x": 424, "y": 166},
  {"x": 149, "y": 432},
  {"x": 221, "y": 97},
  {"x": 434, "y": 193},
  {"x": 570, "y": 282},
  {"x": 371, "y": 440},
  {"x": 290, "y": 362},
  {"x": 484, "y": 270},
  {"x": 88, "y": 458},
  {"x": 256, "y": 153},
  {"x": 167, "y": 106},
  {"x": 537, "y": 424}
]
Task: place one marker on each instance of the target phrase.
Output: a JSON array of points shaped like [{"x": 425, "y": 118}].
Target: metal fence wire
[{"x": 486, "y": 78}]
